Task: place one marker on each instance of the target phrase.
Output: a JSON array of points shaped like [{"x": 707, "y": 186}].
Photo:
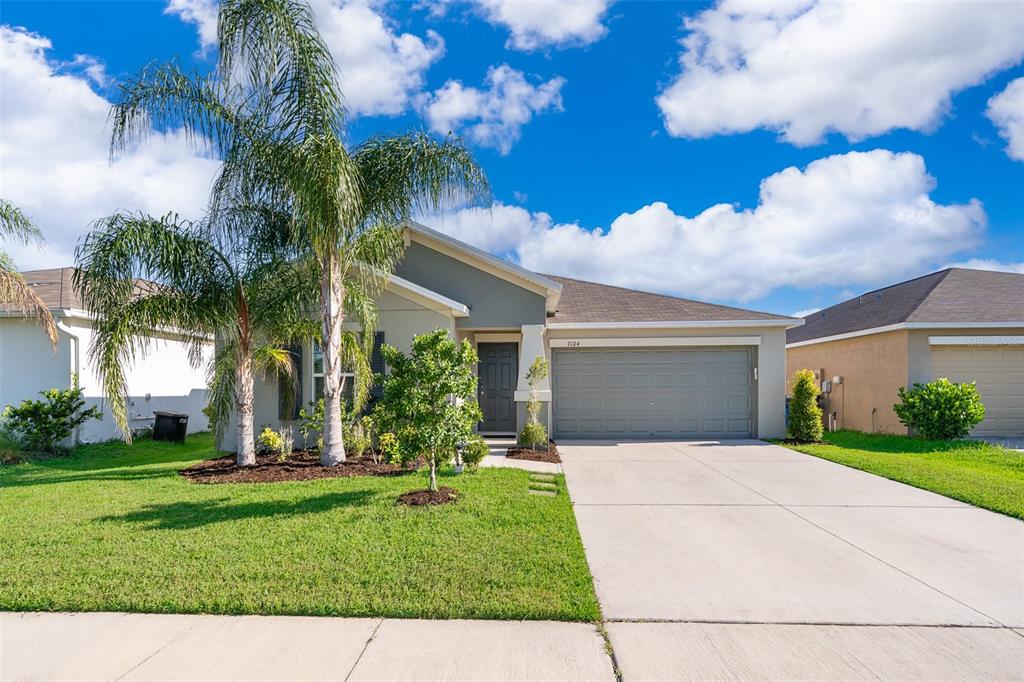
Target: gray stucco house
[{"x": 624, "y": 364}]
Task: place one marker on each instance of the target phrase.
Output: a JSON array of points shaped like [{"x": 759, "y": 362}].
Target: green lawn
[
  {"x": 978, "y": 473},
  {"x": 115, "y": 528}
]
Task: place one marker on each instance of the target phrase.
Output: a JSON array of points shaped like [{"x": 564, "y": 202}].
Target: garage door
[
  {"x": 653, "y": 392},
  {"x": 999, "y": 372}
]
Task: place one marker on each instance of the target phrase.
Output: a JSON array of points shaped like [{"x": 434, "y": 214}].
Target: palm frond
[
  {"x": 16, "y": 225},
  {"x": 220, "y": 381},
  {"x": 17, "y": 294}
]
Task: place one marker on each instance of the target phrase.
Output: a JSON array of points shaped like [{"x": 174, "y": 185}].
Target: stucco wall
[
  {"x": 873, "y": 368},
  {"x": 28, "y": 366},
  {"x": 493, "y": 302},
  {"x": 770, "y": 360}
]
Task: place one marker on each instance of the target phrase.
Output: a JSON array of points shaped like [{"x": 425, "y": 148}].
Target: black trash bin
[{"x": 170, "y": 426}]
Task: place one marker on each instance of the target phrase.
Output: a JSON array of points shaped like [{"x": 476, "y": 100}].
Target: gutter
[
  {"x": 907, "y": 325},
  {"x": 787, "y": 323}
]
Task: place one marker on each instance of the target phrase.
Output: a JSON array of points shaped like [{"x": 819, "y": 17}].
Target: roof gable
[{"x": 588, "y": 302}]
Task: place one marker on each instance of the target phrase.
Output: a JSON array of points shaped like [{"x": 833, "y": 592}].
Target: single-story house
[
  {"x": 624, "y": 364},
  {"x": 965, "y": 325},
  {"x": 163, "y": 380}
]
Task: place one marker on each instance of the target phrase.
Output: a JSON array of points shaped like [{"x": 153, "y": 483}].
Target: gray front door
[
  {"x": 686, "y": 392},
  {"x": 498, "y": 372}
]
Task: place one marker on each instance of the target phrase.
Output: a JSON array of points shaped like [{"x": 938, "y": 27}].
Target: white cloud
[
  {"x": 806, "y": 68},
  {"x": 547, "y": 23},
  {"x": 381, "y": 68},
  {"x": 54, "y": 142},
  {"x": 805, "y": 313},
  {"x": 493, "y": 116},
  {"x": 1006, "y": 111},
  {"x": 862, "y": 218},
  {"x": 988, "y": 264}
]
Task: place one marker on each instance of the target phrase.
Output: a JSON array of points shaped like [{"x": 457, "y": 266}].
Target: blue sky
[{"x": 777, "y": 159}]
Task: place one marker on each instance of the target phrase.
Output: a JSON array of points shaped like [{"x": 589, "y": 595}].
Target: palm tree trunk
[
  {"x": 246, "y": 455},
  {"x": 332, "y": 292}
]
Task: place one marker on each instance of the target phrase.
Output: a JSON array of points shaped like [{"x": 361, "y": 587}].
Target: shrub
[
  {"x": 43, "y": 425},
  {"x": 12, "y": 451},
  {"x": 532, "y": 434},
  {"x": 388, "y": 444},
  {"x": 428, "y": 399},
  {"x": 804, "y": 413},
  {"x": 534, "y": 431},
  {"x": 270, "y": 442},
  {"x": 357, "y": 435},
  {"x": 311, "y": 421},
  {"x": 474, "y": 452},
  {"x": 940, "y": 409}
]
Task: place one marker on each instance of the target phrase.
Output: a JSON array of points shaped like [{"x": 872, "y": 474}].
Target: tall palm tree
[
  {"x": 274, "y": 113},
  {"x": 141, "y": 276},
  {"x": 14, "y": 290}
]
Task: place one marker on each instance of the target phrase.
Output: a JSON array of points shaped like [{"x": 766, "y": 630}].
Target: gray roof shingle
[
  {"x": 591, "y": 302},
  {"x": 950, "y": 295}
]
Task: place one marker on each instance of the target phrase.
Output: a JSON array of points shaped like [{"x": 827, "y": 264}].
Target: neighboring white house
[
  {"x": 163, "y": 380},
  {"x": 625, "y": 364}
]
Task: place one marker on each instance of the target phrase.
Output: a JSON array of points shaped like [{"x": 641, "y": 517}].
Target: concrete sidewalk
[{"x": 124, "y": 646}]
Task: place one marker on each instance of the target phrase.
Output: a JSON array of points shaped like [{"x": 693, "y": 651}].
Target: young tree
[
  {"x": 14, "y": 291},
  {"x": 274, "y": 112},
  {"x": 804, "y": 413},
  {"x": 533, "y": 431},
  {"x": 139, "y": 275},
  {"x": 429, "y": 397}
]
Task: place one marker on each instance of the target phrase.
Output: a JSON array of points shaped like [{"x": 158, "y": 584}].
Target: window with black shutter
[
  {"x": 289, "y": 389},
  {"x": 377, "y": 367}
]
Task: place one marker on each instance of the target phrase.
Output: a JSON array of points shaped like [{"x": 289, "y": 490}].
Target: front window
[{"x": 347, "y": 378}]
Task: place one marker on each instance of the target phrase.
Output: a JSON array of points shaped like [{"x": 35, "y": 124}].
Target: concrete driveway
[{"x": 741, "y": 559}]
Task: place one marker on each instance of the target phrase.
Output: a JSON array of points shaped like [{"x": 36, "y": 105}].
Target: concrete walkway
[
  {"x": 497, "y": 458},
  {"x": 745, "y": 560},
  {"x": 121, "y": 646}
]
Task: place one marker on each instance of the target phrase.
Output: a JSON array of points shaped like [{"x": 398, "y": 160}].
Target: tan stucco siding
[{"x": 873, "y": 368}]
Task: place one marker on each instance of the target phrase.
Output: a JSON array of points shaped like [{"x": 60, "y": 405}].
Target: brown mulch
[
  {"x": 549, "y": 455},
  {"x": 416, "y": 498},
  {"x": 801, "y": 441},
  {"x": 301, "y": 465}
]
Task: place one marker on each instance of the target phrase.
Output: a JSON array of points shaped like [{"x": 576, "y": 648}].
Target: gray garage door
[
  {"x": 653, "y": 392},
  {"x": 999, "y": 373}
]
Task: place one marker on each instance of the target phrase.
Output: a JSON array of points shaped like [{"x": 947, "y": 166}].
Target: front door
[{"x": 498, "y": 372}]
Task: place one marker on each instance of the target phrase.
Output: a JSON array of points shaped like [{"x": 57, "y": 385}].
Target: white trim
[
  {"x": 510, "y": 337},
  {"x": 457, "y": 309},
  {"x": 976, "y": 340},
  {"x": 907, "y": 325},
  {"x": 679, "y": 324},
  {"x": 655, "y": 341},
  {"x": 542, "y": 285}
]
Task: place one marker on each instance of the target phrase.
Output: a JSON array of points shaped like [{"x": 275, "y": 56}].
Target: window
[{"x": 318, "y": 377}]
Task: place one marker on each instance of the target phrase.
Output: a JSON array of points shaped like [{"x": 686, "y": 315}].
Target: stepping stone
[{"x": 545, "y": 493}]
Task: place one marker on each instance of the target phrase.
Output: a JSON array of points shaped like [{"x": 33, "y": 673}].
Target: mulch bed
[
  {"x": 549, "y": 455},
  {"x": 416, "y": 498},
  {"x": 301, "y": 465},
  {"x": 800, "y": 441}
]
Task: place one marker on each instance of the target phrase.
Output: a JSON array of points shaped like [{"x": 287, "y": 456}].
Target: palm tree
[
  {"x": 273, "y": 112},
  {"x": 14, "y": 290},
  {"x": 141, "y": 276}
]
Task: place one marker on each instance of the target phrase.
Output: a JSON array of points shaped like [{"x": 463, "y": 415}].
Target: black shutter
[
  {"x": 377, "y": 367},
  {"x": 289, "y": 391}
]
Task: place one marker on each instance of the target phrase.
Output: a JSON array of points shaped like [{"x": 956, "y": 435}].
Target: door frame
[{"x": 480, "y": 426}]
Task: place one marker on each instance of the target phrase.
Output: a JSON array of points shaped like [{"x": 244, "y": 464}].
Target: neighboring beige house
[
  {"x": 965, "y": 325},
  {"x": 624, "y": 364},
  {"x": 162, "y": 380}
]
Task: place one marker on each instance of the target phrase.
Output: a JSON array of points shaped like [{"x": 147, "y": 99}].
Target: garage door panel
[
  {"x": 999, "y": 374},
  {"x": 661, "y": 392}
]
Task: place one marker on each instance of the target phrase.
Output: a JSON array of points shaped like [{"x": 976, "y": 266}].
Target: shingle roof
[
  {"x": 54, "y": 286},
  {"x": 590, "y": 302},
  {"x": 950, "y": 295}
]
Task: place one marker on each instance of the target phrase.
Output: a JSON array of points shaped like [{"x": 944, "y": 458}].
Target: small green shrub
[
  {"x": 532, "y": 434},
  {"x": 940, "y": 409},
  {"x": 804, "y": 413},
  {"x": 12, "y": 450},
  {"x": 474, "y": 452},
  {"x": 389, "y": 450},
  {"x": 270, "y": 442},
  {"x": 358, "y": 436},
  {"x": 310, "y": 422},
  {"x": 43, "y": 425}
]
